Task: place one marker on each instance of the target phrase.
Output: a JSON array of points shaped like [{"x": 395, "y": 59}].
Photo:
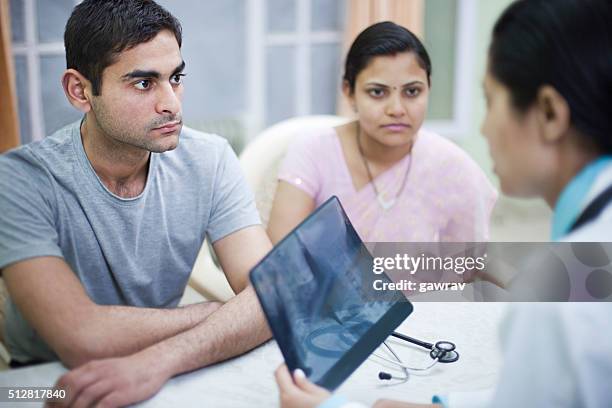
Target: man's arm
[
  {"x": 53, "y": 301},
  {"x": 238, "y": 326}
]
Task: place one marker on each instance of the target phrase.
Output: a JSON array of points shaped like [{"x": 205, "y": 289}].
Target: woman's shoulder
[
  {"x": 312, "y": 150},
  {"x": 315, "y": 139}
]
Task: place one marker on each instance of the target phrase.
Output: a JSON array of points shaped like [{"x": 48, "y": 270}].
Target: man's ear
[
  {"x": 77, "y": 89},
  {"x": 553, "y": 114}
]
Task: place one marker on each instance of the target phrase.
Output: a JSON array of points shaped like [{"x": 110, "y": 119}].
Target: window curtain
[
  {"x": 9, "y": 122},
  {"x": 363, "y": 13}
]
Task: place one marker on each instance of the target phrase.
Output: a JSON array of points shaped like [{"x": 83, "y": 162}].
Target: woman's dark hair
[
  {"x": 98, "y": 30},
  {"x": 384, "y": 38},
  {"x": 566, "y": 44}
]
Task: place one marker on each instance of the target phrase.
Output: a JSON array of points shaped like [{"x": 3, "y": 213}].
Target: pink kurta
[{"x": 447, "y": 197}]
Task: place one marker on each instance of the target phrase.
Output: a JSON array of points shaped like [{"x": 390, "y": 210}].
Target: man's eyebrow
[
  {"x": 140, "y": 73},
  {"x": 179, "y": 68}
]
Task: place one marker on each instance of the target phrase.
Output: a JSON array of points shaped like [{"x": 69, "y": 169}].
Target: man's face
[{"x": 140, "y": 99}]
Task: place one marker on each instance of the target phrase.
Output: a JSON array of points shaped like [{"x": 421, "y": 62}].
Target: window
[
  {"x": 38, "y": 49},
  {"x": 254, "y": 62},
  {"x": 303, "y": 45},
  {"x": 450, "y": 40}
]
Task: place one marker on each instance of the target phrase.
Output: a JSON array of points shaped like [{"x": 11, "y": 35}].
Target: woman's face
[
  {"x": 521, "y": 159},
  {"x": 390, "y": 98}
]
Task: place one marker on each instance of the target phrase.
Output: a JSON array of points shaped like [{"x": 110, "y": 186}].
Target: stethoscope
[{"x": 441, "y": 352}]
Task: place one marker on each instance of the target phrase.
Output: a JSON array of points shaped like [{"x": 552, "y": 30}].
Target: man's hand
[
  {"x": 113, "y": 382},
  {"x": 301, "y": 393}
]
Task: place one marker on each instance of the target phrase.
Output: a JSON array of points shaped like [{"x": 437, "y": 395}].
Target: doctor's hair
[
  {"x": 99, "y": 30},
  {"x": 386, "y": 38},
  {"x": 566, "y": 44}
]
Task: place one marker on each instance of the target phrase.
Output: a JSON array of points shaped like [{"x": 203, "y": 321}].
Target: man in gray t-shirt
[
  {"x": 101, "y": 222},
  {"x": 136, "y": 251}
]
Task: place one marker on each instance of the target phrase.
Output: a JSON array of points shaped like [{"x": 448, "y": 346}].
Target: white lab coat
[
  {"x": 556, "y": 354},
  {"x": 600, "y": 229}
]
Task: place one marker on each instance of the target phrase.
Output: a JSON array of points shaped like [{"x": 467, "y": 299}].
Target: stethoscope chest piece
[{"x": 444, "y": 352}]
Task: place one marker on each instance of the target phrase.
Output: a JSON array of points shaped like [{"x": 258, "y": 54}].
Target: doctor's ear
[
  {"x": 77, "y": 89},
  {"x": 553, "y": 114}
]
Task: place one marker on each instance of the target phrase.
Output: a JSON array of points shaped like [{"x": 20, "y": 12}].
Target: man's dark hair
[
  {"x": 386, "y": 38},
  {"x": 98, "y": 30},
  {"x": 563, "y": 43}
]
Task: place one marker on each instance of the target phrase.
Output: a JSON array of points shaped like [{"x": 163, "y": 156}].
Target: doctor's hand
[
  {"x": 113, "y": 382},
  {"x": 296, "y": 391}
]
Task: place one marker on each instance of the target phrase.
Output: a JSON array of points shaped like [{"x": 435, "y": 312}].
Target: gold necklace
[{"x": 385, "y": 204}]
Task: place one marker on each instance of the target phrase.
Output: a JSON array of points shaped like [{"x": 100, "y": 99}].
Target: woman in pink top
[{"x": 396, "y": 181}]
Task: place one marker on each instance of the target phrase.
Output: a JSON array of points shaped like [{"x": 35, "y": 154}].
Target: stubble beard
[{"x": 120, "y": 134}]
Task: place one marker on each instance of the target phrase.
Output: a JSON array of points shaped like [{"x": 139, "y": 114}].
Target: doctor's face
[
  {"x": 140, "y": 99},
  {"x": 390, "y": 96},
  {"x": 521, "y": 160}
]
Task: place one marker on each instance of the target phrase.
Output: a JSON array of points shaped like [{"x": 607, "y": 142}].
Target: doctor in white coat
[{"x": 548, "y": 88}]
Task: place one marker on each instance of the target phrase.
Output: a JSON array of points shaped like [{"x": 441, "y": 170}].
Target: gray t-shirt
[{"x": 137, "y": 251}]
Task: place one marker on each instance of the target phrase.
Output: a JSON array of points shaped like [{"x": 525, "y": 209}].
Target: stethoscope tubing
[
  {"x": 412, "y": 340},
  {"x": 399, "y": 362},
  {"x": 438, "y": 351}
]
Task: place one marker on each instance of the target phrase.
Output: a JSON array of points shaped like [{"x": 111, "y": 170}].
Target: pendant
[{"x": 384, "y": 203}]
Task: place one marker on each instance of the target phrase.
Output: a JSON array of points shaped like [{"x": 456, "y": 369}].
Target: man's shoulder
[
  {"x": 59, "y": 141},
  {"x": 31, "y": 171},
  {"x": 41, "y": 154}
]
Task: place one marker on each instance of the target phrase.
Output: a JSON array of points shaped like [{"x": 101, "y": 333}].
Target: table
[{"x": 248, "y": 381}]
